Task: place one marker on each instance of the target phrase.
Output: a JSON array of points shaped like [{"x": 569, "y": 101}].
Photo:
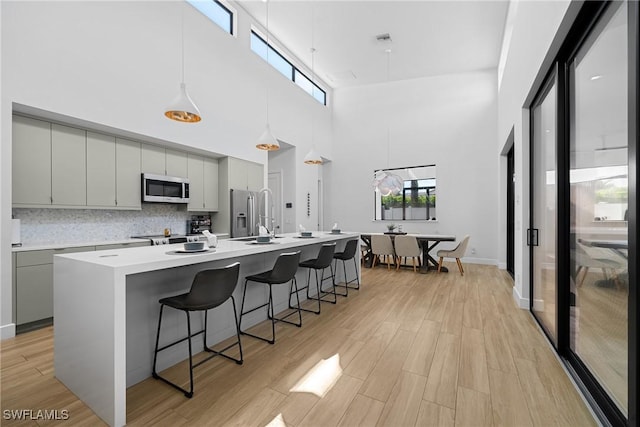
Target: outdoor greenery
[
  {"x": 392, "y": 201},
  {"x": 608, "y": 192}
]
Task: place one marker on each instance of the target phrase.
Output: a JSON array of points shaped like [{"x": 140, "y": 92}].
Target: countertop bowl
[
  {"x": 194, "y": 246},
  {"x": 336, "y": 231},
  {"x": 305, "y": 233},
  {"x": 263, "y": 239}
]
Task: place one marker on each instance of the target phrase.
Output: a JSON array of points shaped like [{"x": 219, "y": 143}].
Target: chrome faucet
[{"x": 270, "y": 215}]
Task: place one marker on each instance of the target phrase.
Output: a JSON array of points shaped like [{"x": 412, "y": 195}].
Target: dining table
[
  {"x": 427, "y": 243},
  {"x": 618, "y": 246}
]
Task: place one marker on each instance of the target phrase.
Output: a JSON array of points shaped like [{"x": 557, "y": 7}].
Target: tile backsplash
[{"x": 41, "y": 226}]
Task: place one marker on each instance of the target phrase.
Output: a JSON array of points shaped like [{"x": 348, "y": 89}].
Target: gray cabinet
[
  {"x": 153, "y": 159},
  {"x": 34, "y": 283},
  {"x": 101, "y": 170},
  {"x": 210, "y": 185},
  {"x": 245, "y": 175},
  {"x": 176, "y": 163},
  {"x": 203, "y": 183},
  {"x": 31, "y": 168},
  {"x": 195, "y": 173},
  {"x": 163, "y": 161},
  {"x": 68, "y": 166},
  {"x": 128, "y": 181}
]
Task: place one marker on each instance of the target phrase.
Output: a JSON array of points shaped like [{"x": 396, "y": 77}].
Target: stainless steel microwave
[{"x": 164, "y": 189}]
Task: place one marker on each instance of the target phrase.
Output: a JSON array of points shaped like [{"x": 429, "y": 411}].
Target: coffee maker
[{"x": 199, "y": 223}]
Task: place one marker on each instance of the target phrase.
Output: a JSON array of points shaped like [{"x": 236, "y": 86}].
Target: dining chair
[
  {"x": 381, "y": 245},
  {"x": 457, "y": 253},
  {"x": 592, "y": 257},
  {"x": 407, "y": 246}
]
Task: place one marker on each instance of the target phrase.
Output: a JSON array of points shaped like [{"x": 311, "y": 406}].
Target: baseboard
[
  {"x": 502, "y": 266},
  {"x": 485, "y": 261},
  {"x": 7, "y": 331},
  {"x": 538, "y": 305},
  {"x": 523, "y": 303}
]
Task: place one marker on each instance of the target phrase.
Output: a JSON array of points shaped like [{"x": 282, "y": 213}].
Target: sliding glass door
[
  {"x": 599, "y": 204},
  {"x": 583, "y": 236},
  {"x": 542, "y": 234}
]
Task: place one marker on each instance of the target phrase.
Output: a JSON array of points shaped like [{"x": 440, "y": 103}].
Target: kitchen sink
[{"x": 250, "y": 239}]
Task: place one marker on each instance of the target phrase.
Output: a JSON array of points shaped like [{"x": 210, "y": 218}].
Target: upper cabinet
[
  {"x": 65, "y": 167},
  {"x": 68, "y": 166},
  {"x": 31, "y": 161},
  {"x": 128, "y": 180},
  {"x": 163, "y": 161},
  {"x": 203, "y": 183},
  {"x": 245, "y": 175},
  {"x": 101, "y": 170}
]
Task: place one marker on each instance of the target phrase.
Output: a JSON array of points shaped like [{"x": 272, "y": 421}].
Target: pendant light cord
[
  {"x": 388, "y": 51},
  {"x": 313, "y": 75},
  {"x": 268, "y": 49},
  {"x": 182, "y": 38}
]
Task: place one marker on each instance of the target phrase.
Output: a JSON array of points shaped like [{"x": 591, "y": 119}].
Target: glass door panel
[
  {"x": 544, "y": 212},
  {"x": 599, "y": 205}
]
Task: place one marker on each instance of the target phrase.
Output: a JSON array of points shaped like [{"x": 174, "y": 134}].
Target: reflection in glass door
[
  {"x": 542, "y": 236},
  {"x": 599, "y": 201}
]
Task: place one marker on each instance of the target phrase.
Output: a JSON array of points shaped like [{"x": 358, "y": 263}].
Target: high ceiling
[{"x": 428, "y": 37}]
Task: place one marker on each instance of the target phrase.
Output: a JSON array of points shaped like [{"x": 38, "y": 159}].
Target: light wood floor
[{"x": 407, "y": 349}]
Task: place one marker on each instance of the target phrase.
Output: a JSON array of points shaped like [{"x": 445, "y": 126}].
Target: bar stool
[
  {"x": 324, "y": 260},
  {"x": 348, "y": 253},
  {"x": 209, "y": 289},
  {"x": 284, "y": 271}
]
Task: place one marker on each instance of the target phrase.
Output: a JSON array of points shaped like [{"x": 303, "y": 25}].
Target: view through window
[{"x": 416, "y": 200}]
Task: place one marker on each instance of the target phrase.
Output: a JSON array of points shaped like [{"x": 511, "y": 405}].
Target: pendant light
[
  {"x": 183, "y": 109},
  {"x": 267, "y": 141},
  {"x": 385, "y": 182},
  {"x": 313, "y": 157}
]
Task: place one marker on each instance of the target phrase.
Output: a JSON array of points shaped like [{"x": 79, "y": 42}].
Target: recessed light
[{"x": 596, "y": 77}]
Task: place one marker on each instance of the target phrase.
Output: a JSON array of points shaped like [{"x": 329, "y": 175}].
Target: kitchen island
[{"x": 106, "y": 310}]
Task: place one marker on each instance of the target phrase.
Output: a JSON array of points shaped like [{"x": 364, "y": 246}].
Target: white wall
[
  {"x": 535, "y": 25},
  {"x": 117, "y": 64},
  {"x": 449, "y": 121}
]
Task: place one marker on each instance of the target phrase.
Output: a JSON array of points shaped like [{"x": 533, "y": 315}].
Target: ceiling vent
[{"x": 384, "y": 38}]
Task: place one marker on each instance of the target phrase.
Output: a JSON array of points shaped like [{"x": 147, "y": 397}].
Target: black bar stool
[
  {"x": 324, "y": 260},
  {"x": 210, "y": 288},
  {"x": 348, "y": 253},
  {"x": 283, "y": 271}
]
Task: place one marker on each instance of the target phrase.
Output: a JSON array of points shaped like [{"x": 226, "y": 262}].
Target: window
[
  {"x": 216, "y": 12},
  {"x": 416, "y": 201},
  {"x": 286, "y": 68}
]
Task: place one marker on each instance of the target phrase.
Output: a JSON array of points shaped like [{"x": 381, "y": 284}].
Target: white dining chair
[
  {"x": 457, "y": 253},
  {"x": 407, "y": 247},
  {"x": 381, "y": 245}
]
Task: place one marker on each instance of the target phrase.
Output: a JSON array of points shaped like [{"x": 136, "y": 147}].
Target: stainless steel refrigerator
[{"x": 245, "y": 213}]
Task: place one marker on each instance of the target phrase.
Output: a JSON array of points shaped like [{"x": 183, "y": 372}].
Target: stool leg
[
  {"x": 272, "y": 317},
  {"x": 294, "y": 283},
  {"x": 190, "y": 393},
  {"x": 355, "y": 268},
  {"x": 244, "y": 294},
  {"x": 154, "y": 373},
  {"x": 235, "y": 317}
]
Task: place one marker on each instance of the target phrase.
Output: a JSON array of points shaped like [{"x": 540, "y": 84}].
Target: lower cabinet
[{"x": 33, "y": 283}]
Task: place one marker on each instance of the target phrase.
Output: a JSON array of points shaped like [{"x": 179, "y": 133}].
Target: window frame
[
  {"x": 233, "y": 17},
  {"x": 294, "y": 68}
]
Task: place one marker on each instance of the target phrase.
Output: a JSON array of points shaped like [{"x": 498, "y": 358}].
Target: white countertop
[
  {"x": 64, "y": 245},
  {"x": 141, "y": 259}
]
